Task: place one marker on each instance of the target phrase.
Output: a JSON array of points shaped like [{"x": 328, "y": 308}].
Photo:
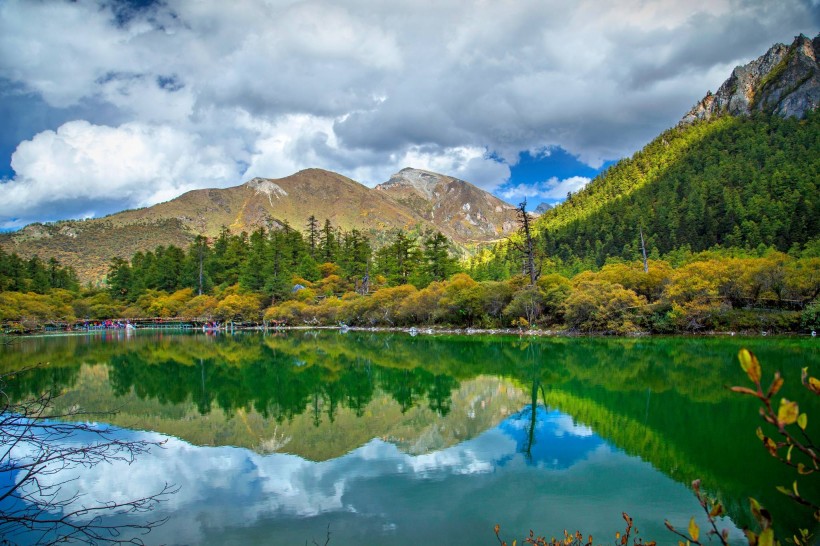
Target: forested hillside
[{"x": 729, "y": 182}]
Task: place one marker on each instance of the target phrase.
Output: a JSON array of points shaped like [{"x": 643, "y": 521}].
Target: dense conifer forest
[{"x": 732, "y": 182}]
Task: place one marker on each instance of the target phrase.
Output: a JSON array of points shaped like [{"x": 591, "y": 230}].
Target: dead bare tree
[
  {"x": 527, "y": 248},
  {"x": 643, "y": 252},
  {"x": 41, "y": 453}
]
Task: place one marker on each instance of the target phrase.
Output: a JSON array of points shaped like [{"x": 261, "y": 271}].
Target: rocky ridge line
[{"x": 784, "y": 81}]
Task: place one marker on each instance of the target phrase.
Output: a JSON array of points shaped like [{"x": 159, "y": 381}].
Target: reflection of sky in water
[
  {"x": 557, "y": 442},
  {"x": 377, "y": 494}
]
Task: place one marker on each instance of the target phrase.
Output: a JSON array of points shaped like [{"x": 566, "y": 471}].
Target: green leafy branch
[{"x": 789, "y": 423}]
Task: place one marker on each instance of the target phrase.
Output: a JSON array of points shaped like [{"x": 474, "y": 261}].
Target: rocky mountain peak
[
  {"x": 267, "y": 187},
  {"x": 422, "y": 181},
  {"x": 783, "y": 81},
  {"x": 460, "y": 210}
]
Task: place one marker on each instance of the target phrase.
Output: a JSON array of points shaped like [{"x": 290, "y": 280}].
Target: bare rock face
[
  {"x": 459, "y": 209},
  {"x": 784, "y": 81}
]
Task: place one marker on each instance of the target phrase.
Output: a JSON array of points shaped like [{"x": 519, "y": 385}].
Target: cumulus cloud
[
  {"x": 365, "y": 87},
  {"x": 133, "y": 164},
  {"x": 548, "y": 190}
]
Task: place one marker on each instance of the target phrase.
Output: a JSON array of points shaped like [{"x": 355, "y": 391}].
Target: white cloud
[
  {"x": 368, "y": 88},
  {"x": 134, "y": 163},
  {"x": 548, "y": 190}
]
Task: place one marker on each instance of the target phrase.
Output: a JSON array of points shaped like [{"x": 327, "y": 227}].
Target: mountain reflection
[
  {"x": 324, "y": 397},
  {"x": 226, "y": 492}
]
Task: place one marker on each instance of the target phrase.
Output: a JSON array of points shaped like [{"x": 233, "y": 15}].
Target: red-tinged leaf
[
  {"x": 802, "y": 421},
  {"x": 801, "y": 469},
  {"x": 717, "y": 510},
  {"x": 750, "y": 365},
  {"x": 814, "y": 385},
  {"x": 751, "y": 537},
  {"x": 769, "y": 444},
  {"x": 743, "y": 390},
  {"x": 766, "y": 537},
  {"x": 497, "y": 528},
  {"x": 787, "y": 412},
  {"x": 757, "y": 512},
  {"x": 775, "y": 386},
  {"x": 694, "y": 530}
]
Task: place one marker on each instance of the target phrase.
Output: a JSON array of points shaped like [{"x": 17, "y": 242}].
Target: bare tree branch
[{"x": 42, "y": 452}]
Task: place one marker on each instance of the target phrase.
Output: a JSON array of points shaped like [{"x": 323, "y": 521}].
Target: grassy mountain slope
[
  {"x": 264, "y": 202},
  {"x": 89, "y": 245}
]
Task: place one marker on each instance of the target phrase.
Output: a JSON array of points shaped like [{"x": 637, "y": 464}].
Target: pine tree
[
  {"x": 313, "y": 238},
  {"x": 438, "y": 264},
  {"x": 328, "y": 243}
]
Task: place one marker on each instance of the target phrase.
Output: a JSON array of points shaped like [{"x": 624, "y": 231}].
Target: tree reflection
[{"x": 612, "y": 385}]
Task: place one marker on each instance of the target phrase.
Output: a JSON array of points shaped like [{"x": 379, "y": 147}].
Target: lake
[{"x": 387, "y": 438}]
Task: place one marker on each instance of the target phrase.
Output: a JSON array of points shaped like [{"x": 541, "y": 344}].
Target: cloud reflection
[{"x": 227, "y": 492}]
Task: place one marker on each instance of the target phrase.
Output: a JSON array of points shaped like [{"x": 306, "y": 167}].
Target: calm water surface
[{"x": 393, "y": 439}]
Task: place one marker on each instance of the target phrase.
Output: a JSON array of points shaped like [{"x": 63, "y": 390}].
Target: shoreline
[{"x": 422, "y": 330}]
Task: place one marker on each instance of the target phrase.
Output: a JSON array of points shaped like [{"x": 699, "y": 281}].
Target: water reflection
[
  {"x": 378, "y": 492},
  {"x": 549, "y": 438},
  {"x": 424, "y": 422}
]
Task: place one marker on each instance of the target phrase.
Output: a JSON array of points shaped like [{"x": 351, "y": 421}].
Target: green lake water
[{"x": 386, "y": 438}]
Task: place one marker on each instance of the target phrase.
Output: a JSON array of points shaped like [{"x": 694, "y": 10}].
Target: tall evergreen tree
[
  {"x": 438, "y": 264},
  {"x": 252, "y": 269},
  {"x": 313, "y": 238},
  {"x": 328, "y": 243},
  {"x": 399, "y": 261}
]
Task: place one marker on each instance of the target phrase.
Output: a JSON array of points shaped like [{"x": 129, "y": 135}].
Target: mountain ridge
[
  {"x": 89, "y": 245},
  {"x": 784, "y": 81},
  {"x": 462, "y": 210}
]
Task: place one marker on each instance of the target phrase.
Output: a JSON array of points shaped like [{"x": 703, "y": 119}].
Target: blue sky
[{"x": 113, "y": 104}]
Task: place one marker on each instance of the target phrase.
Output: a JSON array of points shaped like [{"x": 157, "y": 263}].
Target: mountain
[
  {"x": 543, "y": 207},
  {"x": 89, "y": 245},
  {"x": 742, "y": 169},
  {"x": 459, "y": 209},
  {"x": 274, "y": 202},
  {"x": 784, "y": 81}
]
